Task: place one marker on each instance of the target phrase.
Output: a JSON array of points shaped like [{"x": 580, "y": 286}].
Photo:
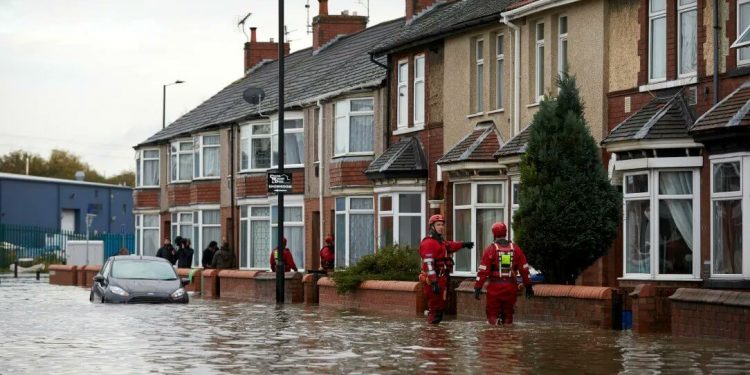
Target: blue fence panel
[{"x": 114, "y": 242}]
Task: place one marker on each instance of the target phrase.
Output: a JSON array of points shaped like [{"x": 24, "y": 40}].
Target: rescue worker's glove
[
  {"x": 477, "y": 292},
  {"x": 435, "y": 287},
  {"x": 468, "y": 245},
  {"x": 529, "y": 291}
]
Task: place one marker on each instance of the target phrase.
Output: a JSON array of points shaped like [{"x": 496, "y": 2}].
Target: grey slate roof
[
  {"x": 479, "y": 145},
  {"x": 664, "y": 117},
  {"x": 516, "y": 145},
  {"x": 404, "y": 158},
  {"x": 441, "y": 20},
  {"x": 342, "y": 65},
  {"x": 732, "y": 111}
]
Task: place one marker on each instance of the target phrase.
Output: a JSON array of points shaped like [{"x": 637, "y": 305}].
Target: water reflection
[{"x": 54, "y": 329}]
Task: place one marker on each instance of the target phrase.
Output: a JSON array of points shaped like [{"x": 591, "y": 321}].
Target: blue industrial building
[{"x": 63, "y": 204}]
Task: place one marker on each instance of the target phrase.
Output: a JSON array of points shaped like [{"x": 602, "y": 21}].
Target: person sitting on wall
[
  {"x": 185, "y": 254},
  {"x": 224, "y": 258},
  {"x": 167, "y": 251},
  {"x": 288, "y": 259},
  {"x": 208, "y": 254},
  {"x": 327, "y": 255}
]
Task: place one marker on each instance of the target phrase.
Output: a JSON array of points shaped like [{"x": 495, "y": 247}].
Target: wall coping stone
[
  {"x": 62, "y": 267},
  {"x": 397, "y": 286},
  {"x": 643, "y": 291},
  {"x": 555, "y": 290},
  {"x": 186, "y": 271},
  {"x": 709, "y": 296},
  {"x": 93, "y": 267},
  {"x": 238, "y": 274},
  {"x": 210, "y": 272},
  {"x": 266, "y": 275}
]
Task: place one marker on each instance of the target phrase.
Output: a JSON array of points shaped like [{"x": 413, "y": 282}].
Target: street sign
[{"x": 279, "y": 182}]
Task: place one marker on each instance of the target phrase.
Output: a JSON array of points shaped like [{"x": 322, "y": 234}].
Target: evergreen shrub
[{"x": 388, "y": 263}]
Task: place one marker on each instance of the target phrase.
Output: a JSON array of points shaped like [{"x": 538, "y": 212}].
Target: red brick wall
[
  {"x": 711, "y": 313},
  {"x": 393, "y": 297},
  {"x": 413, "y": 7},
  {"x": 259, "y": 286},
  {"x": 210, "y": 287},
  {"x": 148, "y": 198},
  {"x": 731, "y": 32},
  {"x": 195, "y": 284},
  {"x": 178, "y": 194},
  {"x": 205, "y": 192},
  {"x": 60, "y": 274},
  {"x": 346, "y": 173},
  {"x": 255, "y": 52},
  {"x": 643, "y": 43},
  {"x": 327, "y": 27}
]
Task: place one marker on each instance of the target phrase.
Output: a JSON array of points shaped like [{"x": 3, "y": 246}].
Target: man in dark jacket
[
  {"x": 224, "y": 258},
  {"x": 208, "y": 254},
  {"x": 167, "y": 251},
  {"x": 185, "y": 254}
]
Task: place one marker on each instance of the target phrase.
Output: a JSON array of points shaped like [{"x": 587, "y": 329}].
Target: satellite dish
[{"x": 254, "y": 95}]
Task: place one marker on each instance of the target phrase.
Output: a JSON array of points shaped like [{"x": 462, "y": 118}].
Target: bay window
[
  {"x": 476, "y": 206},
  {"x": 539, "y": 61},
  {"x": 660, "y": 233},
  {"x": 206, "y": 156},
  {"x": 355, "y": 234},
  {"x": 687, "y": 45},
  {"x": 354, "y": 126},
  {"x": 147, "y": 234},
  {"x": 181, "y": 156},
  {"x": 258, "y": 233},
  {"x": 401, "y": 219},
  {"x": 402, "y": 103},
  {"x": 147, "y": 168},
  {"x": 182, "y": 224},
  {"x": 657, "y": 40},
  {"x": 743, "y": 21},
  {"x": 293, "y": 232},
  {"x": 255, "y": 146},
  {"x": 727, "y": 247},
  {"x": 294, "y": 142},
  {"x": 419, "y": 91},
  {"x": 206, "y": 228}
]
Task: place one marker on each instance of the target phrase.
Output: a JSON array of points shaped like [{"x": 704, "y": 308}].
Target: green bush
[{"x": 388, "y": 263}]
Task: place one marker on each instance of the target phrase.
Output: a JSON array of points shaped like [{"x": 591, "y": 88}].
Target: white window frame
[
  {"x": 402, "y": 114},
  {"x": 291, "y": 201},
  {"x": 562, "y": 38},
  {"x": 348, "y": 104},
  {"x": 140, "y": 228},
  {"x": 397, "y": 214},
  {"x": 513, "y": 205},
  {"x": 199, "y": 157},
  {"x": 654, "y": 197},
  {"x": 179, "y": 219},
  {"x": 740, "y": 29},
  {"x": 176, "y": 153},
  {"x": 347, "y": 212},
  {"x": 248, "y": 220},
  {"x": 140, "y": 163},
  {"x": 275, "y": 132},
  {"x": 499, "y": 71},
  {"x": 652, "y": 16},
  {"x": 197, "y": 242},
  {"x": 473, "y": 206},
  {"x": 479, "y": 75},
  {"x": 744, "y": 160},
  {"x": 419, "y": 108},
  {"x": 539, "y": 62},
  {"x": 246, "y": 144},
  {"x": 681, "y": 9}
]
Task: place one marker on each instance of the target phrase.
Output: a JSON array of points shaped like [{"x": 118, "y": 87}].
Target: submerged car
[{"x": 138, "y": 279}]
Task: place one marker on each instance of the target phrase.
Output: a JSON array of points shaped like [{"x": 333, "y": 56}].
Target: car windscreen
[{"x": 133, "y": 269}]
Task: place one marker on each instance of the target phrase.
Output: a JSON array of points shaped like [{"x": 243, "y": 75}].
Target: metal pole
[
  {"x": 280, "y": 234},
  {"x": 87, "y": 240},
  {"x": 163, "y": 106}
]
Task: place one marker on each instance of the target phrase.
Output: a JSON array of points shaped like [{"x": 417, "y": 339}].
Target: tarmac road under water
[{"x": 49, "y": 329}]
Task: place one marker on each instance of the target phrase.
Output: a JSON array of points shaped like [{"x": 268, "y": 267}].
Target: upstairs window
[
  {"x": 479, "y": 78},
  {"x": 354, "y": 126},
  {"x": 255, "y": 146},
  {"x": 294, "y": 143},
  {"x": 419, "y": 91},
  {"x": 687, "y": 46},
  {"x": 562, "y": 45},
  {"x": 499, "y": 70},
  {"x": 147, "y": 168},
  {"x": 539, "y": 68},
  {"x": 657, "y": 40},
  {"x": 402, "y": 109},
  {"x": 181, "y": 161},
  {"x": 206, "y": 156},
  {"x": 743, "y": 21}
]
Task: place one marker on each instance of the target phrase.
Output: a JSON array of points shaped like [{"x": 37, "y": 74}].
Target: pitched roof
[
  {"x": 442, "y": 19},
  {"x": 664, "y": 117},
  {"x": 732, "y": 111},
  {"x": 516, "y": 145},
  {"x": 404, "y": 158},
  {"x": 343, "y": 65},
  {"x": 479, "y": 145}
]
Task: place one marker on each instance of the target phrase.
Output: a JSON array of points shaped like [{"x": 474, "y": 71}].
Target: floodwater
[{"x": 49, "y": 329}]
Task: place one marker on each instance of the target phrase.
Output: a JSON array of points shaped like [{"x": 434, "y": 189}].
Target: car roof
[{"x": 139, "y": 257}]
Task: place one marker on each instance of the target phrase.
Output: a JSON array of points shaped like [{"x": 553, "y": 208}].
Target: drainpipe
[
  {"x": 717, "y": 28},
  {"x": 231, "y": 187},
  {"x": 320, "y": 170},
  {"x": 516, "y": 73}
]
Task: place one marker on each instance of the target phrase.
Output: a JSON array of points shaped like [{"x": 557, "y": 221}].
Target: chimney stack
[
  {"x": 413, "y": 7},
  {"x": 327, "y": 27},
  {"x": 256, "y": 52}
]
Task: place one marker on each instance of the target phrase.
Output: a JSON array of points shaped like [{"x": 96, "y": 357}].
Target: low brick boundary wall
[
  {"x": 210, "y": 283},
  {"x": 237, "y": 284},
  {"x": 711, "y": 313},
  {"x": 89, "y": 272},
  {"x": 587, "y": 305},
  {"x": 265, "y": 287},
  {"x": 399, "y": 297},
  {"x": 60, "y": 274},
  {"x": 310, "y": 284},
  {"x": 195, "y": 284}
]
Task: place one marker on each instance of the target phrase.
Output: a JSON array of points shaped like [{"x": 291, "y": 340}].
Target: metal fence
[{"x": 43, "y": 245}]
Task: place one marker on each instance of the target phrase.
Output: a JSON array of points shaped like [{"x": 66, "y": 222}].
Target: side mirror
[
  {"x": 184, "y": 282},
  {"x": 99, "y": 279}
]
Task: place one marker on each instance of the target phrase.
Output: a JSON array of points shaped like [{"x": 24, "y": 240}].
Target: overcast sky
[{"x": 87, "y": 75}]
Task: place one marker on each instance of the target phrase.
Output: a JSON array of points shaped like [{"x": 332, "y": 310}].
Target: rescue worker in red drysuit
[
  {"x": 437, "y": 265},
  {"x": 288, "y": 259},
  {"x": 327, "y": 255},
  {"x": 501, "y": 262}
]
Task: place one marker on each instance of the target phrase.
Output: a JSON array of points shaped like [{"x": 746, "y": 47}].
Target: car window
[
  {"x": 140, "y": 269},
  {"x": 107, "y": 266}
]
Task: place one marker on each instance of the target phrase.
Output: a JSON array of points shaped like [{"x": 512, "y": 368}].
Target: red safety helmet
[
  {"x": 329, "y": 239},
  {"x": 499, "y": 229},
  {"x": 435, "y": 218}
]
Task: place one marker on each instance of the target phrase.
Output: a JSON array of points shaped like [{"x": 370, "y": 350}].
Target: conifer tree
[{"x": 568, "y": 211}]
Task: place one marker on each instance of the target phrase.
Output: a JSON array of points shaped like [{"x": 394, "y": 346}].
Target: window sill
[
  {"x": 727, "y": 283},
  {"x": 659, "y": 85},
  {"x": 687, "y": 278},
  {"x": 352, "y": 155},
  {"x": 477, "y": 114},
  {"x": 207, "y": 178},
  {"x": 532, "y": 105},
  {"x": 183, "y": 182},
  {"x": 500, "y": 110},
  {"x": 148, "y": 187},
  {"x": 407, "y": 130},
  {"x": 253, "y": 171}
]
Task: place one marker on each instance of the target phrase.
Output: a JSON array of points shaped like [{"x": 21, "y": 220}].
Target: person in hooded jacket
[
  {"x": 327, "y": 255},
  {"x": 224, "y": 258},
  {"x": 167, "y": 251},
  {"x": 208, "y": 254},
  {"x": 288, "y": 258},
  {"x": 185, "y": 254}
]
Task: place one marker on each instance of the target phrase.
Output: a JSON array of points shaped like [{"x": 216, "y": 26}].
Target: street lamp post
[
  {"x": 164, "y": 102},
  {"x": 280, "y": 234}
]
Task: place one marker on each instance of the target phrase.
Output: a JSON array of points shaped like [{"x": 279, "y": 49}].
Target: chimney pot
[
  {"x": 322, "y": 7},
  {"x": 344, "y": 12},
  {"x": 253, "y": 34}
]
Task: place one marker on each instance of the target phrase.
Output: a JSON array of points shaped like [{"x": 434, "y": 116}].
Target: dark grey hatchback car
[{"x": 138, "y": 279}]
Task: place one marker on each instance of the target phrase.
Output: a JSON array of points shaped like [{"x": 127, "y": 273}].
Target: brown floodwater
[{"x": 49, "y": 329}]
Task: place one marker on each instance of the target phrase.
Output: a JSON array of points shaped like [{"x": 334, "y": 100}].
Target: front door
[{"x": 68, "y": 220}]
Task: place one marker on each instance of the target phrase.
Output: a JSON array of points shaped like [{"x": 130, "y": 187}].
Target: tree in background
[
  {"x": 61, "y": 164},
  {"x": 568, "y": 211}
]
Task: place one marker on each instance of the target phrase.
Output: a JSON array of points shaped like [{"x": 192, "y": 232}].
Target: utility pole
[{"x": 280, "y": 233}]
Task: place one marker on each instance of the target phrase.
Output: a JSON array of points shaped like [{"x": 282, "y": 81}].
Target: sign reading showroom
[{"x": 279, "y": 182}]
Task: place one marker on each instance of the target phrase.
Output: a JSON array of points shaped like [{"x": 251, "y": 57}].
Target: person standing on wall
[
  {"x": 501, "y": 262},
  {"x": 437, "y": 264}
]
